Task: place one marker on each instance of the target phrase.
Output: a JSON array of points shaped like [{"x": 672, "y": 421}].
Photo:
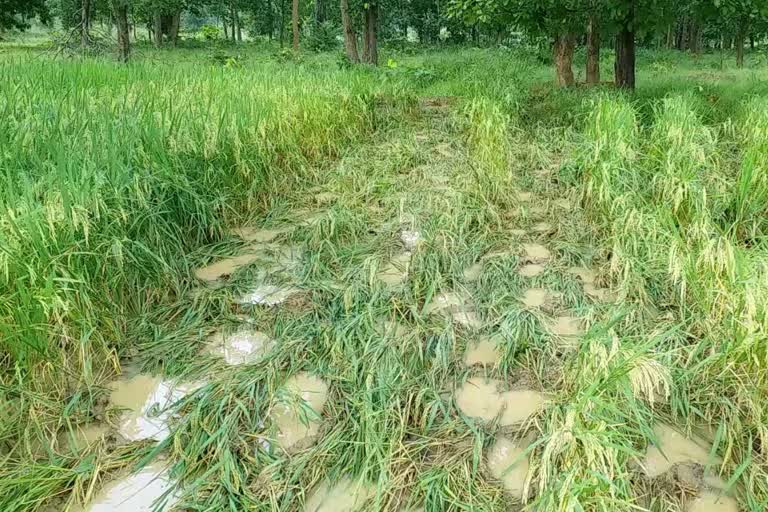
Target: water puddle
[
  {"x": 134, "y": 493},
  {"x": 531, "y": 270},
  {"x": 268, "y": 295},
  {"x": 485, "y": 351},
  {"x": 566, "y": 327},
  {"x": 519, "y": 405},
  {"x": 472, "y": 273},
  {"x": 535, "y": 297},
  {"x": 481, "y": 398},
  {"x": 675, "y": 448},
  {"x": 598, "y": 294},
  {"x": 395, "y": 272},
  {"x": 227, "y": 266},
  {"x": 507, "y": 464},
  {"x": 252, "y": 234},
  {"x": 345, "y": 495},
  {"x": 587, "y": 275},
  {"x": 410, "y": 239},
  {"x": 83, "y": 436},
  {"x": 243, "y": 346},
  {"x": 147, "y": 399},
  {"x": 458, "y": 307},
  {"x": 297, "y": 416},
  {"x": 712, "y": 502},
  {"x": 536, "y": 253},
  {"x": 287, "y": 258}
]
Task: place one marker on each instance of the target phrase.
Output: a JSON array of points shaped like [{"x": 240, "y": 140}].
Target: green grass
[{"x": 116, "y": 183}]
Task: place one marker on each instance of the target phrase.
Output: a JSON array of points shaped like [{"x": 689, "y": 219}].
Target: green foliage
[
  {"x": 15, "y": 14},
  {"x": 210, "y": 32}
]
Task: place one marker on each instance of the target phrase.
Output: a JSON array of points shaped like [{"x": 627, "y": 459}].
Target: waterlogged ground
[{"x": 399, "y": 334}]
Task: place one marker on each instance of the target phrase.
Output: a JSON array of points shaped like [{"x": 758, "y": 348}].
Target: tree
[
  {"x": 370, "y": 33},
  {"x": 350, "y": 35},
  {"x": 120, "y": 12},
  {"x": 559, "y": 20},
  {"x": 295, "y": 24},
  {"x": 14, "y": 14}
]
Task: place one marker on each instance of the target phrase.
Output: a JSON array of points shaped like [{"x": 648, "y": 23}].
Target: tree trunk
[
  {"x": 239, "y": 26},
  {"x": 350, "y": 36},
  {"x": 174, "y": 29},
  {"x": 370, "y": 42},
  {"x": 593, "y": 51},
  {"x": 85, "y": 23},
  {"x": 158, "y": 30},
  {"x": 625, "y": 55},
  {"x": 282, "y": 23},
  {"x": 123, "y": 30},
  {"x": 739, "y": 41},
  {"x": 295, "y": 24},
  {"x": 563, "y": 53}
]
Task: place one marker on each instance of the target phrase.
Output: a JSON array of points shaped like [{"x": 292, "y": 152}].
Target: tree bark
[
  {"x": 350, "y": 36},
  {"x": 282, "y": 23},
  {"x": 85, "y": 23},
  {"x": 563, "y": 53},
  {"x": 739, "y": 42},
  {"x": 370, "y": 41},
  {"x": 295, "y": 24},
  {"x": 239, "y": 26},
  {"x": 625, "y": 56},
  {"x": 123, "y": 30},
  {"x": 158, "y": 29},
  {"x": 174, "y": 29},
  {"x": 593, "y": 51}
]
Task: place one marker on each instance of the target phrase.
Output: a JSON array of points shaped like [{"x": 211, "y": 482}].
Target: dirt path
[{"x": 394, "y": 336}]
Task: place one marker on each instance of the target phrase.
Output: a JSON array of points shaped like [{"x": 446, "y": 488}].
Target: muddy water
[
  {"x": 481, "y": 398},
  {"x": 535, "y": 297},
  {"x": 456, "y": 306},
  {"x": 251, "y": 234},
  {"x": 410, "y": 239},
  {"x": 519, "y": 405},
  {"x": 485, "y": 351},
  {"x": 227, "y": 266},
  {"x": 531, "y": 270},
  {"x": 344, "y": 496},
  {"x": 267, "y": 295},
  {"x": 567, "y": 327},
  {"x": 83, "y": 436},
  {"x": 507, "y": 463},
  {"x": 712, "y": 502},
  {"x": 243, "y": 346},
  {"x": 297, "y": 416},
  {"x": 133, "y": 493},
  {"x": 146, "y": 399},
  {"x": 472, "y": 273},
  {"x": 586, "y": 275},
  {"x": 675, "y": 448},
  {"x": 396, "y": 271},
  {"x": 536, "y": 253}
]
